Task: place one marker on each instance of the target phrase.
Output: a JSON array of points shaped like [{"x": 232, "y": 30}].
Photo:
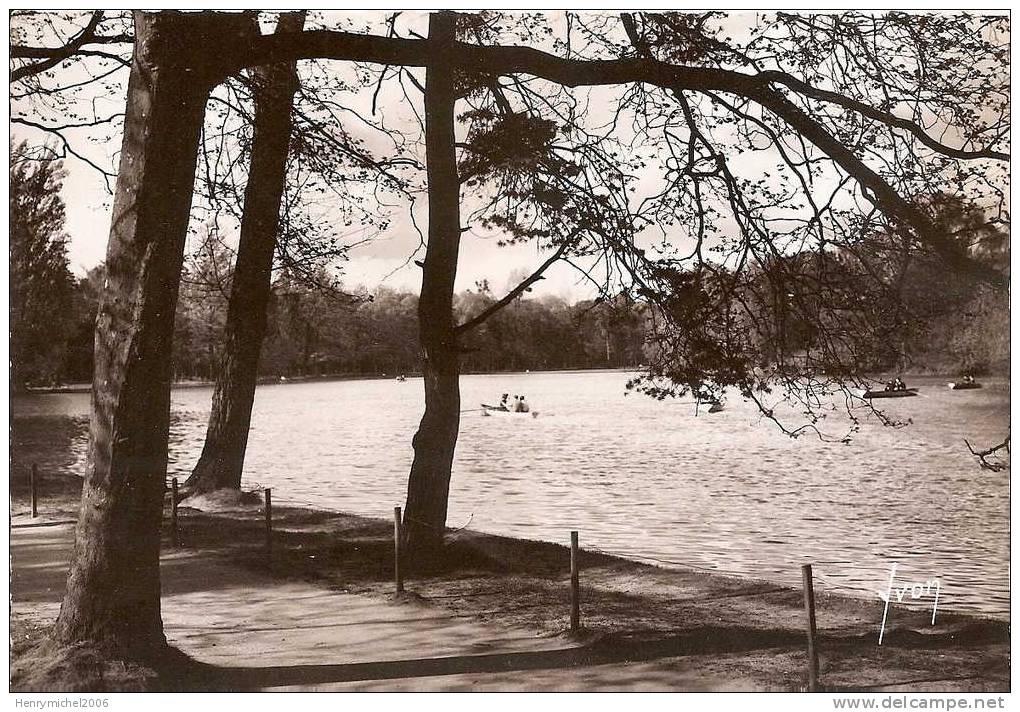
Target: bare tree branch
[
  {"x": 501, "y": 60},
  {"x": 517, "y": 291},
  {"x": 54, "y": 56},
  {"x": 981, "y": 455}
]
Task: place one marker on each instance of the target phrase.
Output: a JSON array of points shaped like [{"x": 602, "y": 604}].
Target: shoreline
[
  {"x": 62, "y": 501},
  {"x": 524, "y": 584},
  {"x": 285, "y": 380}
]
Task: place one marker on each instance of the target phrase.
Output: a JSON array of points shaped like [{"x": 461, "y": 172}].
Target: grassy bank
[{"x": 630, "y": 611}]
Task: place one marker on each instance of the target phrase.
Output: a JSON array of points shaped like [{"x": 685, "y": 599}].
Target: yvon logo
[{"x": 916, "y": 591}]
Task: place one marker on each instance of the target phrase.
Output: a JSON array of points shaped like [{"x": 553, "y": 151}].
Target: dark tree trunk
[
  {"x": 226, "y": 440},
  {"x": 306, "y": 351},
  {"x": 113, "y": 590},
  {"x": 428, "y": 486}
]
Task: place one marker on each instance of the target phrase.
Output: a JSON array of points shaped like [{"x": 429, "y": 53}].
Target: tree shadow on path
[
  {"x": 182, "y": 672},
  {"x": 186, "y": 673}
]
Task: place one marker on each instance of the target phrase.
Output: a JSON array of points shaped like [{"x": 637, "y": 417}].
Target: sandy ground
[
  {"x": 494, "y": 617},
  {"x": 268, "y": 634}
]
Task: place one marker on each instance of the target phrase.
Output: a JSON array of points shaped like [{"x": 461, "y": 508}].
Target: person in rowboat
[
  {"x": 520, "y": 405},
  {"x": 502, "y": 402},
  {"x": 896, "y": 384}
]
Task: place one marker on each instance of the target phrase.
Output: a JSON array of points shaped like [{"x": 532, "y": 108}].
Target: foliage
[
  {"x": 41, "y": 285},
  {"x": 317, "y": 332}
]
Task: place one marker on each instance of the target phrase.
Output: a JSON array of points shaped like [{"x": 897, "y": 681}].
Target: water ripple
[{"x": 640, "y": 477}]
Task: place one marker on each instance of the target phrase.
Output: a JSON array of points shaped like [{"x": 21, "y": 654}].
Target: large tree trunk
[
  {"x": 112, "y": 598},
  {"x": 428, "y": 486},
  {"x": 226, "y": 440}
]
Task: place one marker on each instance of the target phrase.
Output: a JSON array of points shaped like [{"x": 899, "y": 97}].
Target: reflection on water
[
  {"x": 639, "y": 477},
  {"x": 55, "y": 441}
]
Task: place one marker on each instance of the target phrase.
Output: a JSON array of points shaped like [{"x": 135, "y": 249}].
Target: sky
[
  {"x": 381, "y": 261},
  {"x": 385, "y": 260}
]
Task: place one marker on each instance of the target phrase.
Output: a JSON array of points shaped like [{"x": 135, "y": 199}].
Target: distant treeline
[
  {"x": 315, "y": 328},
  {"x": 315, "y": 331}
]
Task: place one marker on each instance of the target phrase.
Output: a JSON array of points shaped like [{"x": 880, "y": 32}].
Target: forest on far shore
[
  {"x": 314, "y": 331},
  {"x": 316, "y": 327}
]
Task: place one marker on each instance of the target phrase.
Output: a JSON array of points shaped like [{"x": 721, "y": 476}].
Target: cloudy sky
[{"x": 386, "y": 259}]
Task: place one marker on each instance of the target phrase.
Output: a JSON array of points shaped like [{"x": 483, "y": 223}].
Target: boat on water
[
  {"x": 904, "y": 393},
  {"x": 500, "y": 410},
  {"x": 962, "y": 385}
]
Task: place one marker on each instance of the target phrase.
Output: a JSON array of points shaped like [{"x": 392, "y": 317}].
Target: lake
[{"x": 653, "y": 481}]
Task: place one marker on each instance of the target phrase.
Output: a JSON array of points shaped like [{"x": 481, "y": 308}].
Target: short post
[
  {"x": 398, "y": 550},
  {"x": 575, "y": 586},
  {"x": 809, "y": 610},
  {"x": 269, "y": 527},
  {"x": 173, "y": 513},
  {"x": 33, "y": 485}
]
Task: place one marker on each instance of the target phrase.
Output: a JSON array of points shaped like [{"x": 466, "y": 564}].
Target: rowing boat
[
  {"x": 906, "y": 393},
  {"x": 961, "y": 386},
  {"x": 499, "y": 410}
]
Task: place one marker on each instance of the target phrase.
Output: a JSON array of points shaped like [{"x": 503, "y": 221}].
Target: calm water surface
[{"x": 650, "y": 480}]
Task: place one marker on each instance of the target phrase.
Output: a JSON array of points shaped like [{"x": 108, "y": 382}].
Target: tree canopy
[{"x": 41, "y": 284}]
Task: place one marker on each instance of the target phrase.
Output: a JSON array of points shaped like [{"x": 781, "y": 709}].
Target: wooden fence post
[
  {"x": 575, "y": 586},
  {"x": 809, "y": 610},
  {"x": 398, "y": 550},
  {"x": 269, "y": 527},
  {"x": 33, "y": 485},
  {"x": 173, "y": 513}
]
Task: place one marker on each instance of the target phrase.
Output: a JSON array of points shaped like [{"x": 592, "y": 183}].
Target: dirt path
[
  {"x": 252, "y": 631},
  {"x": 266, "y": 634}
]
